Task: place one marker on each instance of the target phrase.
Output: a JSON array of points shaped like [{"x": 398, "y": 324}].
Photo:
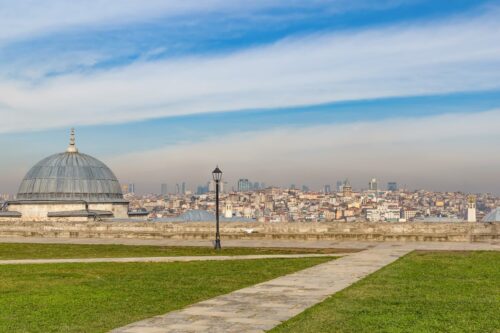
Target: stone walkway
[
  {"x": 166, "y": 259},
  {"x": 265, "y": 305},
  {"x": 488, "y": 245}
]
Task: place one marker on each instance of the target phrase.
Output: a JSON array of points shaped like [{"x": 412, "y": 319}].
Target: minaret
[
  {"x": 228, "y": 211},
  {"x": 471, "y": 208},
  {"x": 72, "y": 147}
]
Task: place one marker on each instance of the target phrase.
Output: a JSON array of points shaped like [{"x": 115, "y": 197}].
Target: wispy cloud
[
  {"x": 450, "y": 56},
  {"x": 24, "y": 18}
]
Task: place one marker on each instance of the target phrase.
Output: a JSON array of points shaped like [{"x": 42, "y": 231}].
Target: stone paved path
[
  {"x": 488, "y": 245},
  {"x": 165, "y": 259},
  {"x": 265, "y": 305}
]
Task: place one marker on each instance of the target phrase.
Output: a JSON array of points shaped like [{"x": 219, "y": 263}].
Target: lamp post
[{"x": 217, "y": 175}]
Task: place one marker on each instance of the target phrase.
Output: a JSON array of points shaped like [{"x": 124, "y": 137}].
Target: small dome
[
  {"x": 493, "y": 216},
  {"x": 197, "y": 215},
  {"x": 70, "y": 176}
]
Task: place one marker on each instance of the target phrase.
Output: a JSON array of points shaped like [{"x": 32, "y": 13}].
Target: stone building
[{"x": 68, "y": 186}]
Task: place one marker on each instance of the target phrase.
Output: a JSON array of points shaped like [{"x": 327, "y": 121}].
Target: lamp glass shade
[{"x": 217, "y": 174}]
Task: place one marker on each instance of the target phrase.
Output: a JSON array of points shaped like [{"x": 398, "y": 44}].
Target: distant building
[
  {"x": 471, "y": 208},
  {"x": 328, "y": 189},
  {"x": 164, "y": 189},
  {"x": 305, "y": 188},
  {"x": 392, "y": 186},
  {"x": 339, "y": 185},
  {"x": 183, "y": 188},
  {"x": 347, "y": 189},
  {"x": 373, "y": 185},
  {"x": 124, "y": 188},
  {"x": 409, "y": 214},
  {"x": 292, "y": 187},
  {"x": 131, "y": 188},
  {"x": 383, "y": 213},
  {"x": 228, "y": 210},
  {"x": 243, "y": 185},
  {"x": 202, "y": 189}
]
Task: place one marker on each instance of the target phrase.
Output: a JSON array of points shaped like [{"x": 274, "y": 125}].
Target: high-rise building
[
  {"x": 392, "y": 186},
  {"x": 131, "y": 188},
  {"x": 183, "y": 188},
  {"x": 243, "y": 185},
  {"x": 471, "y": 208},
  {"x": 164, "y": 189},
  {"x": 305, "y": 188},
  {"x": 373, "y": 185},
  {"x": 339, "y": 185},
  {"x": 211, "y": 186},
  {"x": 292, "y": 187},
  {"x": 202, "y": 189},
  {"x": 256, "y": 186},
  {"x": 328, "y": 189}
]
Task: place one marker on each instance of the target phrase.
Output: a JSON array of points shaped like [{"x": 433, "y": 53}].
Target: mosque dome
[{"x": 70, "y": 176}]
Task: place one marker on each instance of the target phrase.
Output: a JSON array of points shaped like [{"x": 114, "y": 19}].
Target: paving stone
[{"x": 166, "y": 259}]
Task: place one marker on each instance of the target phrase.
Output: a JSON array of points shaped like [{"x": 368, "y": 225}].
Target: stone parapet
[{"x": 379, "y": 231}]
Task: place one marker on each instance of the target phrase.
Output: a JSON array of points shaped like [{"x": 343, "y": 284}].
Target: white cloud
[
  {"x": 444, "y": 57},
  {"x": 25, "y": 18},
  {"x": 447, "y": 152}
]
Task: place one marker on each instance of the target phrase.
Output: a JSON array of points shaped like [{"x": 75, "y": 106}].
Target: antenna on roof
[{"x": 72, "y": 147}]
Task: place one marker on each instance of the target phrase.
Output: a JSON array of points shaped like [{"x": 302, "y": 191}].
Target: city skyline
[{"x": 280, "y": 92}]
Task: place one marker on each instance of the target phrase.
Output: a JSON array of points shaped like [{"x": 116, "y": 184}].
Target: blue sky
[{"x": 276, "y": 91}]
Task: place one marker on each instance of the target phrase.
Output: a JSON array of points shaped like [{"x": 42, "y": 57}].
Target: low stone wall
[{"x": 455, "y": 232}]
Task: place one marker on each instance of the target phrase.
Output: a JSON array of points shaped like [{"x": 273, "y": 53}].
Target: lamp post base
[{"x": 217, "y": 244}]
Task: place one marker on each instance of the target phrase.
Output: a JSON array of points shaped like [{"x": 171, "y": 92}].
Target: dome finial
[{"x": 72, "y": 147}]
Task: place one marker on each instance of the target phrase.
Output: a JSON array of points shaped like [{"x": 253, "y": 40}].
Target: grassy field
[
  {"x": 54, "y": 251},
  {"x": 102, "y": 296},
  {"x": 422, "y": 292}
]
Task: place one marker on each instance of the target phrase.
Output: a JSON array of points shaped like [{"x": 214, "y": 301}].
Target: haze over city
[{"x": 278, "y": 92}]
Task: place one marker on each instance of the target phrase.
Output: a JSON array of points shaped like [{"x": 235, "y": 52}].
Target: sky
[{"x": 281, "y": 92}]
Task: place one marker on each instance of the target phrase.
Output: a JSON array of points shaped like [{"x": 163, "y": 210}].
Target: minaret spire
[{"x": 72, "y": 147}]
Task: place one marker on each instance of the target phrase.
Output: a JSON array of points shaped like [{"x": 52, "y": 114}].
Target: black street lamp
[{"x": 217, "y": 175}]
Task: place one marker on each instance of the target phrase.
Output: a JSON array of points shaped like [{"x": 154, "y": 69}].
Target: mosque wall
[
  {"x": 119, "y": 210},
  {"x": 380, "y": 231},
  {"x": 37, "y": 211}
]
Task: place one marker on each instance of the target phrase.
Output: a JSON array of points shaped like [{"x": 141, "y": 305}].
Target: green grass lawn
[
  {"x": 100, "y": 296},
  {"x": 53, "y": 251},
  {"x": 421, "y": 292}
]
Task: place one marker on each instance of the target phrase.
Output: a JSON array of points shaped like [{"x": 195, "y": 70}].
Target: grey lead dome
[{"x": 70, "y": 176}]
